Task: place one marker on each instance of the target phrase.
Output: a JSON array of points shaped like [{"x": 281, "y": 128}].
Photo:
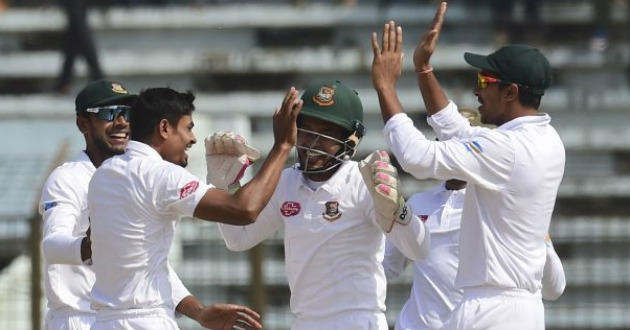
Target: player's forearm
[
  {"x": 449, "y": 123},
  {"x": 190, "y": 306},
  {"x": 412, "y": 240},
  {"x": 394, "y": 262},
  {"x": 411, "y": 148},
  {"x": 388, "y": 101},
  {"x": 59, "y": 248},
  {"x": 432, "y": 93},
  {"x": 178, "y": 289},
  {"x": 553, "y": 280},
  {"x": 255, "y": 195},
  {"x": 245, "y": 205}
]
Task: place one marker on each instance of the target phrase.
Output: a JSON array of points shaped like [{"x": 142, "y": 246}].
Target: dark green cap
[
  {"x": 519, "y": 64},
  {"x": 334, "y": 102},
  {"x": 103, "y": 92}
]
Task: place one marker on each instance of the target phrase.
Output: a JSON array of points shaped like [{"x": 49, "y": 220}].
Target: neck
[
  {"x": 517, "y": 112},
  {"x": 97, "y": 158}
]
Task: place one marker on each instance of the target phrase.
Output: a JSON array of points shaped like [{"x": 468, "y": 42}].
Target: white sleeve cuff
[
  {"x": 62, "y": 249},
  {"x": 395, "y": 121},
  {"x": 444, "y": 116}
]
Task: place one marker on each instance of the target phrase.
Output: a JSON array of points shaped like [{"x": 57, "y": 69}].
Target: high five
[{"x": 513, "y": 171}]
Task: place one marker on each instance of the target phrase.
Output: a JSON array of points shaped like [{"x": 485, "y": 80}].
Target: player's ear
[
  {"x": 164, "y": 129},
  {"x": 83, "y": 124},
  {"x": 511, "y": 92}
]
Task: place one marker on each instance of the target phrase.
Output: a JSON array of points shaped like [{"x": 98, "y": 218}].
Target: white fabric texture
[
  {"x": 513, "y": 174},
  {"x": 63, "y": 204},
  {"x": 135, "y": 200},
  {"x": 333, "y": 245},
  {"x": 433, "y": 294}
]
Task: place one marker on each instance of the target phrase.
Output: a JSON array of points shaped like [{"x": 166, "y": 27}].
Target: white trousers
[
  {"x": 61, "y": 319},
  {"x": 135, "y": 319},
  {"x": 351, "y": 320},
  {"x": 497, "y": 309}
]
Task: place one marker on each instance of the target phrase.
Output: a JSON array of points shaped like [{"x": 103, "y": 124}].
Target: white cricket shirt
[
  {"x": 513, "y": 174},
  {"x": 433, "y": 294},
  {"x": 63, "y": 206},
  {"x": 134, "y": 201},
  {"x": 333, "y": 245}
]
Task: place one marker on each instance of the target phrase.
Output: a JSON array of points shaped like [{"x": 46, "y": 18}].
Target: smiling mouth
[{"x": 120, "y": 136}]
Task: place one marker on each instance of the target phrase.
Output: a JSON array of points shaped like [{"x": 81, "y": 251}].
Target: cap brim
[
  {"x": 480, "y": 61},
  {"x": 126, "y": 99}
]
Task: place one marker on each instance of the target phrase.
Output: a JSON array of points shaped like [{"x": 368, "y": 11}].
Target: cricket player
[
  {"x": 334, "y": 230},
  {"x": 102, "y": 109},
  {"x": 513, "y": 172},
  {"x": 136, "y": 198},
  {"x": 433, "y": 293}
]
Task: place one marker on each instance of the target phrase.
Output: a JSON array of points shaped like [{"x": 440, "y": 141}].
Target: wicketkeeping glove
[
  {"x": 381, "y": 179},
  {"x": 227, "y": 157}
]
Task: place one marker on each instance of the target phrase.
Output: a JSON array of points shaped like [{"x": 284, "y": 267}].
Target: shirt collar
[
  {"x": 540, "y": 119},
  {"x": 142, "y": 149},
  {"x": 334, "y": 184},
  {"x": 84, "y": 158}
]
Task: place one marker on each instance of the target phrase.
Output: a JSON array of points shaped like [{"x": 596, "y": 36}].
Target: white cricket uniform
[
  {"x": 68, "y": 280},
  {"x": 134, "y": 201},
  {"x": 433, "y": 293},
  {"x": 333, "y": 248},
  {"x": 513, "y": 174}
]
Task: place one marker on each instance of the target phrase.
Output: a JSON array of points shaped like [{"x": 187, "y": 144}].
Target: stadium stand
[{"x": 239, "y": 58}]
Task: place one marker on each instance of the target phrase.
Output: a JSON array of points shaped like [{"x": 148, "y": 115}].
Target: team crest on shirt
[
  {"x": 324, "y": 98},
  {"x": 332, "y": 211},
  {"x": 424, "y": 217},
  {"x": 289, "y": 209},
  {"x": 188, "y": 189}
]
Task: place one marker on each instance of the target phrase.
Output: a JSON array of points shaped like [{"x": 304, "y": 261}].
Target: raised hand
[
  {"x": 227, "y": 157},
  {"x": 382, "y": 182},
  {"x": 426, "y": 46},
  {"x": 284, "y": 118},
  {"x": 228, "y": 317},
  {"x": 387, "y": 62}
]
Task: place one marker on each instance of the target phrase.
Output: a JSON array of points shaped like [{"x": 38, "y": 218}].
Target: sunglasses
[
  {"x": 110, "y": 112},
  {"x": 483, "y": 81}
]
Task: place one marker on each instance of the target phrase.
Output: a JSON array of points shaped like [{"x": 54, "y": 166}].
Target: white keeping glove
[
  {"x": 227, "y": 157},
  {"x": 381, "y": 179}
]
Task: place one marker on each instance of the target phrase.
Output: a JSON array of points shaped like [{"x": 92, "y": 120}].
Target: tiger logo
[{"x": 324, "y": 98}]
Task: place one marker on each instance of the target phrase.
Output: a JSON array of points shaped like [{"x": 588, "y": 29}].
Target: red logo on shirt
[
  {"x": 188, "y": 189},
  {"x": 424, "y": 217},
  {"x": 290, "y": 209}
]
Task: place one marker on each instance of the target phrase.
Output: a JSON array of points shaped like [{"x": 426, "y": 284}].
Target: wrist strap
[{"x": 430, "y": 69}]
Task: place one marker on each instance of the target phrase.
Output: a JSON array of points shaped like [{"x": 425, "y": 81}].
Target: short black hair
[{"x": 155, "y": 104}]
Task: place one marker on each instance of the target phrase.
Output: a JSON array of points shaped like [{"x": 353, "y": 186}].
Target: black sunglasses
[{"x": 110, "y": 112}]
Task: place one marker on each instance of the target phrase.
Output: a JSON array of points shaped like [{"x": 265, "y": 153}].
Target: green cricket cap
[
  {"x": 103, "y": 92},
  {"x": 334, "y": 102},
  {"x": 519, "y": 64}
]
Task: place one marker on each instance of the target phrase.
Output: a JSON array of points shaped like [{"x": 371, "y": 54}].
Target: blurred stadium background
[{"x": 240, "y": 56}]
